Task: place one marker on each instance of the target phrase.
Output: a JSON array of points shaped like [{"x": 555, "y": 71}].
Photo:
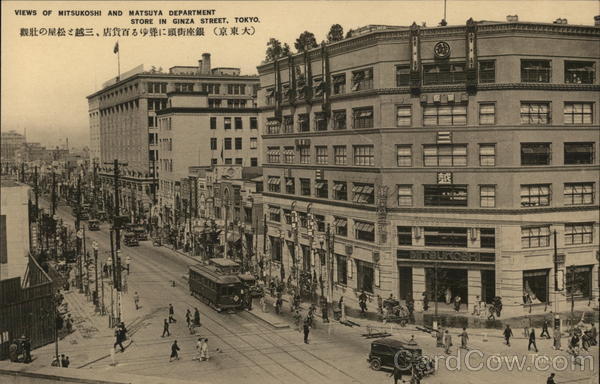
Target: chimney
[
  {"x": 199, "y": 67},
  {"x": 512, "y": 18},
  {"x": 597, "y": 21},
  {"x": 560, "y": 21},
  {"x": 206, "y": 63}
]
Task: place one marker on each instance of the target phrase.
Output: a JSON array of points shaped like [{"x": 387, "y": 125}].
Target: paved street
[{"x": 243, "y": 346}]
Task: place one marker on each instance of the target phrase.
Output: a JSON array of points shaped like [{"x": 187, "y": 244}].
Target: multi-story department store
[{"x": 455, "y": 151}]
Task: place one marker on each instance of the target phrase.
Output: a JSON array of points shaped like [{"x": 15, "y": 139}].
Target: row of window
[
  {"x": 531, "y": 113},
  {"x": 231, "y": 103},
  {"x": 446, "y": 236},
  {"x": 434, "y": 155},
  {"x": 453, "y": 195},
  {"x": 227, "y": 143},
  {"x": 539, "y": 236},
  {"x": 238, "y": 123},
  {"x": 532, "y": 71}
]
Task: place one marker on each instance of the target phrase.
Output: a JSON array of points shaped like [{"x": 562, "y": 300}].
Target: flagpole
[{"x": 118, "y": 61}]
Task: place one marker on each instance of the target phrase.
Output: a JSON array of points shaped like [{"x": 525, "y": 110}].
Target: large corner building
[{"x": 450, "y": 157}]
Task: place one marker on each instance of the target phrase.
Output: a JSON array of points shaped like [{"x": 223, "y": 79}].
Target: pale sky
[{"x": 45, "y": 80}]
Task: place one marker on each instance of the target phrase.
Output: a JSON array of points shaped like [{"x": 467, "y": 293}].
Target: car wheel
[{"x": 375, "y": 364}]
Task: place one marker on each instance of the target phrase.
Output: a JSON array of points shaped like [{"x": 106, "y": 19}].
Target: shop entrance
[
  {"x": 450, "y": 283},
  {"x": 405, "y": 274},
  {"x": 488, "y": 286}
]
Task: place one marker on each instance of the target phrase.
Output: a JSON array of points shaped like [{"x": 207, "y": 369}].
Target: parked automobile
[{"x": 130, "y": 239}]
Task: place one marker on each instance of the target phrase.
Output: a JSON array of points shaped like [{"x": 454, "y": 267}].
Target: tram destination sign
[{"x": 445, "y": 255}]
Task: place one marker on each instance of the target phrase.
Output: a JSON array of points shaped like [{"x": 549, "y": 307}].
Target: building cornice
[
  {"x": 403, "y": 33},
  {"x": 195, "y": 110}
]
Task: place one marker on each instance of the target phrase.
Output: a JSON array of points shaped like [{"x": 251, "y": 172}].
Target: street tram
[{"x": 217, "y": 284}]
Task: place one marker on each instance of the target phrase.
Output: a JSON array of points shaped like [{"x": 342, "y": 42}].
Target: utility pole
[
  {"x": 226, "y": 224},
  {"x": 557, "y": 288},
  {"x": 96, "y": 298},
  {"x": 95, "y": 189},
  {"x": 77, "y": 228},
  {"x": 111, "y": 320},
  {"x": 85, "y": 263},
  {"x": 53, "y": 192},
  {"x": 435, "y": 291},
  {"x": 36, "y": 192}
]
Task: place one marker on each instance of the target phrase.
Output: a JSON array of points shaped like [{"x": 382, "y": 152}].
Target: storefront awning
[
  {"x": 274, "y": 180},
  {"x": 340, "y": 222},
  {"x": 339, "y": 186},
  {"x": 274, "y": 210},
  {"x": 289, "y": 182},
  {"x": 365, "y": 227}
]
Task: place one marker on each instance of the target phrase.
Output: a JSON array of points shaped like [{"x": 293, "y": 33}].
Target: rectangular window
[
  {"x": 227, "y": 123},
  {"x": 238, "y": 123},
  {"x": 253, "y": 143},
  {"x": 340, "y": 190},
  {"x": 579, "y": 233},
  {"x": 364, "y": 230},
  {"x": 404, "y": 155},
  {"x": 254, "y": 163},
  {"x": 580, "y": 72},
  {"x": 320, "y": 122},
  {"x": 342, "y": 269},
  {"x": 404, "y": 235},
  {"x": 319, "y": 223},
  {"x": 339, "y": 83},
  {"x": 151, "y": 121},
  {"x": 363, "y": 193},
  {"x": 339, "y": 119},
  {"x": 290, "y": 185},
  {"x": 304, "y": 154},
  {"x": 276, "y": 248},
  {"x": 405, "y": 195},
  {"x": 535, "y": 113},
  {"x": 287, "y": 217},
  {"x": 402, "y": 75},
  {"x": 579, "y": 193},
  {"x": 454, "y": 195},
  {"x": 579, "y": 281},
  {"x": 487, "y": 196},
  {"x": 487, "y": 71},
  {"x": 362, "y": 118},
  {"x": 364, "y": 155},
  {"x": 578, "y": 113},
  {"x": 487, "y": 113},
  {"x": 322, "y": 189},
  {"x": 228, "y": 143},
  {"x": 535, "y": 195},
  {"x": 305, "y": 187},
  {"x": 447, "y": 73},
  {"x": 228, "y": 161},
  {"x": 340, "y": 225},
  {"x": 273, "y": 127},
  {"x": 288, "y": 155},
  {"x": 535, "y": 71},
  {"x": 288, "y": 124},
  {"x": 303, "y": 122},
  {"x": 321, "y": 154},
  {"x": 362, "y": 80},
  {"x": 239, "y": 161},
  {"x": 253, "y": 123},
  {"x": 404, "y": 116},
  {"x": 270, "y": 96},
  {"x": 455, "y": 237},
  {"x": 273, "y": 155},
  {"x": 445, "y": 115},
  {"x": 318, "y": 87},
  {"x": 339, "y": 154},
  {"x": 213, "y": 161},
  {"x": 213, "y": 143},
  {"x": 535, "y": 237},
  {"x": 238, "y": 143},
  {"x": 213, "y": 123},
  {"x": 274, "y": 213},
  {"x": 487, "y": 155},
  {"x": 579, "y": 153},
  {"x": 445, "y": 155},
  {"x": 535, "y": 286},
  {"x": 536, "y": 153},
  {"x": 487, "y": 237},
  {"x": 274, "y": 184},
  {"x": 365, "y": 276}
]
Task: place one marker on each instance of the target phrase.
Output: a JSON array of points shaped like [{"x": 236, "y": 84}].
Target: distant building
[
  {"x": 14, "y": 228},
  {"x": 10, "y": 142},
  {"x": 124, "y": 113}
]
